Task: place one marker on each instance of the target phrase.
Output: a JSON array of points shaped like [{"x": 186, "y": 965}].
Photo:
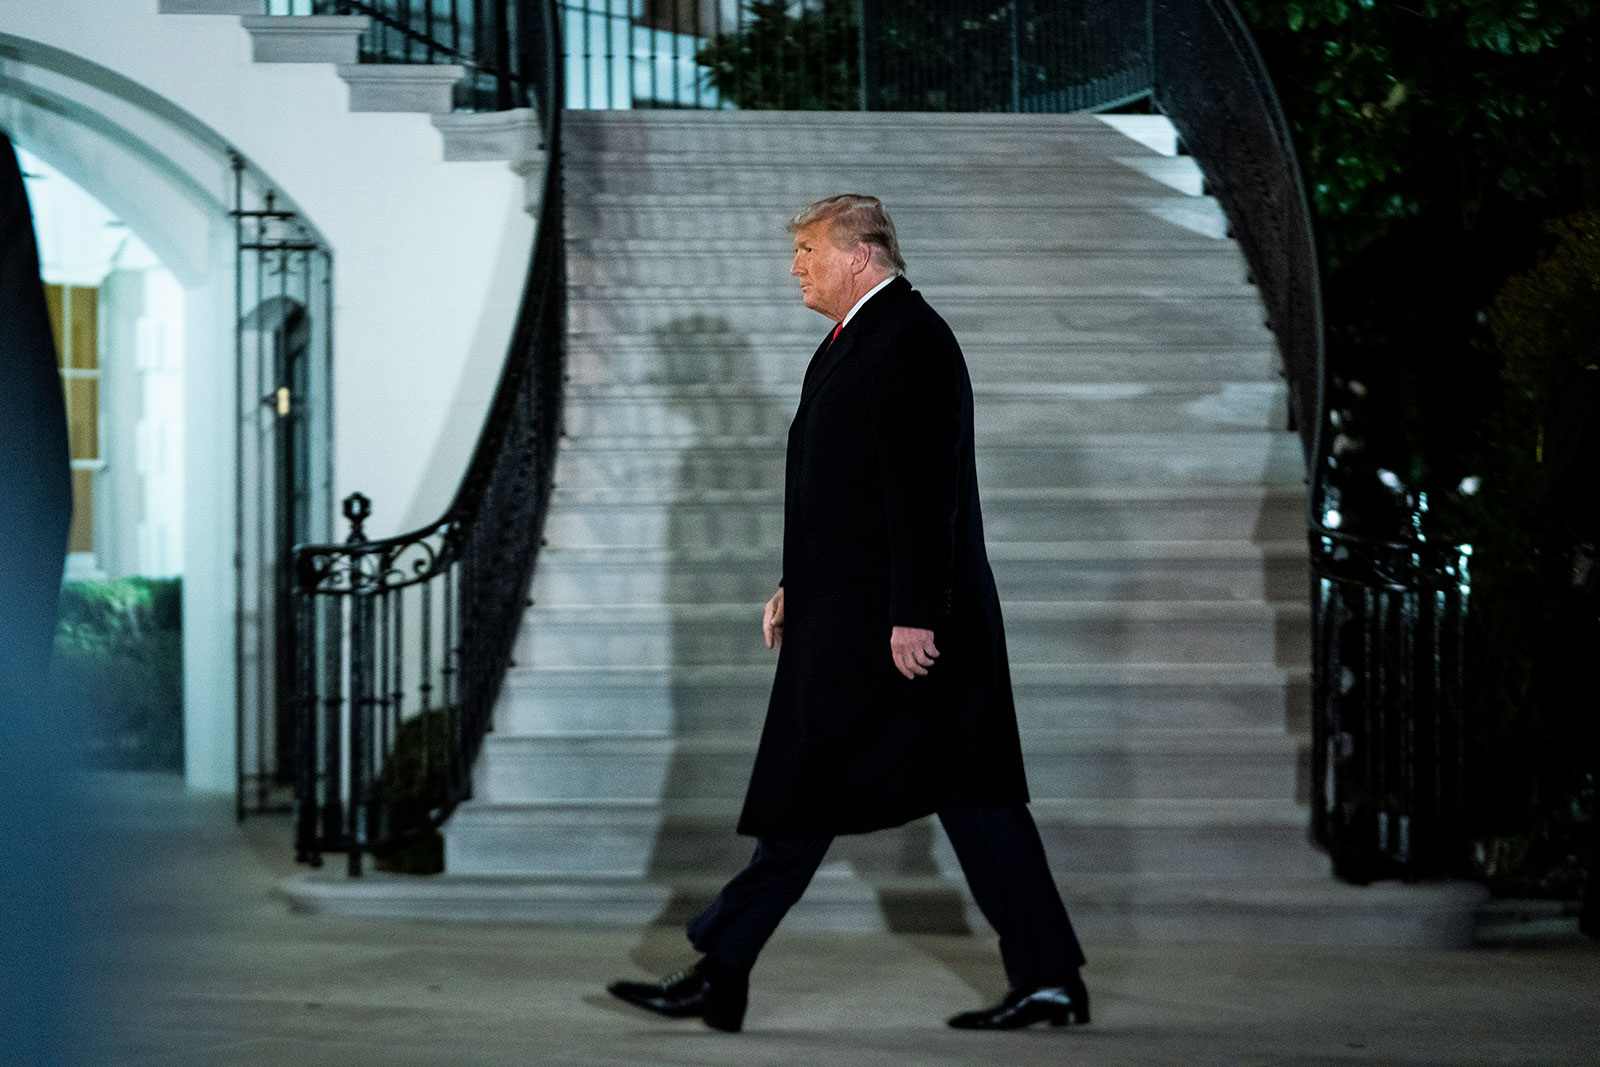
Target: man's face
[{"x": 826, "y": 272}]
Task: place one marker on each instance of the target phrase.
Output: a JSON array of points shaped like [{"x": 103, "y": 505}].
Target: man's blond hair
[{"x": 854, "y": 219}]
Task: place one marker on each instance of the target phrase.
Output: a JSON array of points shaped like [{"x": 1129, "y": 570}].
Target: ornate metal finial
[{"x": 357, "y": 508}]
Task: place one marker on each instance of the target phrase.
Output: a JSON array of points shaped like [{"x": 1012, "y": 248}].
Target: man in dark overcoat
[
  {"x": 41, "y": 832},
  {"x": 892, "y": 699}
]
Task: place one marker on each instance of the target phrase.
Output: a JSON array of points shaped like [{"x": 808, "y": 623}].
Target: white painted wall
[
  {"x": 140, "y": 494},
  {"x": 423, "y": 305},
  {"x": 158, "y": 435},
  {"x": 209, "y": 675},
  {"x": 429, "y": 260}
]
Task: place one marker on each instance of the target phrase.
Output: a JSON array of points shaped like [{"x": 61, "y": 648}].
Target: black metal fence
[
  {"x": 873, "y": 55},
  {"x": 1388, "y": 743},
  {"x": 1211, "y": 82},
  {"x": 1019, "y": 56},
  {"x": 403, "y": 643},
  {"x": 282, "y": 456}
]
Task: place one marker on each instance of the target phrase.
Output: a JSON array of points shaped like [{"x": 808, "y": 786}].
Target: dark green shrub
[
  {"x": 411, "y": 790},
  {"x": 1534, "y": 753},
  {"x": 119, "y": 671},
  {"x": 778, "y": 61}
]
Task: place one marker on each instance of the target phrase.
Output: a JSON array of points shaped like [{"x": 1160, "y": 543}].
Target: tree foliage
[
  {"x": 1546, "y": 321},
  {"x": 1408, "y": 108},
  {"x": 1438, "y": 140},
  {"x": 1545, "y": 328},
  {"x": 118, "y": 667},
  {"x": 805, "y": 61}
]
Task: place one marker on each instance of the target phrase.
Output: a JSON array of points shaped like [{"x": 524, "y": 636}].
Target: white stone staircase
[{"x": 1143, "y": 506}]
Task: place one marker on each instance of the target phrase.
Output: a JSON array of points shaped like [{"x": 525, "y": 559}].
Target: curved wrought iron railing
[
  {"x": 1388, "y": 613},
  {"x": 1389, "y": 627},
  {"x": 403, "y": 643},
  {"x": 1212, "y": 84}
]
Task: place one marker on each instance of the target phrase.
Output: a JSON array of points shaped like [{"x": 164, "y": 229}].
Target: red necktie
[{"x": 835, "y": 335}]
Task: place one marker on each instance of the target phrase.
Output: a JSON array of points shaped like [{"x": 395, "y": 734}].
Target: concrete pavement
[{"x": 198, "y": 961}]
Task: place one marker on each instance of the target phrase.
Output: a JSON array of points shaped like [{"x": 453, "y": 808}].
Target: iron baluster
[
  {"x": 335, "y": 706},
  {"x": 1014, "y": 33},
  {"x": 864, "y": 90},
  {"x": 305, "y": 719},
  {"x": 383, "y": 736},
  {"x": 239, "y": 219}
]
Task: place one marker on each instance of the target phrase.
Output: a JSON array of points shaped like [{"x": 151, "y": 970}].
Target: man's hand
[
  {"x": 912, "y": 649},
  {"x": 772, "y": 620}
]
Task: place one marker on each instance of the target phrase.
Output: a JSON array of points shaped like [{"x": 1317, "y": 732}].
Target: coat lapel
[
  {"x": 828, "y": 357},
  {"x": 814, "y": 366}
]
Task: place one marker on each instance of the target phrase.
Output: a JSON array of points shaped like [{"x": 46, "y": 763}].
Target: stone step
[
  {"x": 625, "y": 516},
  {"x": 1036, "y": 632},
  {"x": 1217, "y": 907},
  {"x": 739, "y": 180},
  {"x": 999, "y": 274},
  {"x": 514, "y": 136},
  {"x": 1180, "y": 321},
  {"x": 1168, "y": 765},
  {"x": 1132, "y": 194},
  {"x": 648, "y": 465},
  {"x": 919, "y": 248},
  {"x": 210, "y": 7},
  {"x": 797, "y": 134},
  {"x": 683, "y": 414},
  {"x": 415, "y": 87},
  {"x": 1108, "y": 696},
  {"x": 780, "y": 291},
  {"x": 874, "y": 135},
  {"x": 774, "y": 172},
  {"x": 1146, "y": 220},
  {"x": 711, "y": 349},
  {"x": 1092, "y": 570},
  {"x": 1075, "y": 159},
  {"x": 305, "y": 38},
  {"x": 688, "y": 838},
  {"x": 769, "y": 282}
]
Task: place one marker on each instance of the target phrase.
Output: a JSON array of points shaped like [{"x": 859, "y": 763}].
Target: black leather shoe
[
  {"x": 717, "y": 995},
  {"x": 1066, "y": 1005}
]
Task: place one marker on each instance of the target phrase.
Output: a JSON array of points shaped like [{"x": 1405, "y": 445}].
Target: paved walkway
[{"x": 208, "y": 967}]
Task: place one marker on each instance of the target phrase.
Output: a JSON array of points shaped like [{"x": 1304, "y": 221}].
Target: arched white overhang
[
  {"x": 164, "y": 172},
  {"x": 171, "y": 179}
]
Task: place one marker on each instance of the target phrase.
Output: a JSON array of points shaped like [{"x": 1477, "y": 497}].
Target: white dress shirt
[{"x": 870, "y": 293}]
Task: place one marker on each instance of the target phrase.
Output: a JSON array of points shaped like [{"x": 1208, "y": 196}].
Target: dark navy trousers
[{"x": 1000, "y": 854}]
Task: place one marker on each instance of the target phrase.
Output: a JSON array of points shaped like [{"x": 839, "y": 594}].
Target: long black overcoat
[
  {"x": 35, "y": 475},
  {"x": 882, "y": 528}
]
